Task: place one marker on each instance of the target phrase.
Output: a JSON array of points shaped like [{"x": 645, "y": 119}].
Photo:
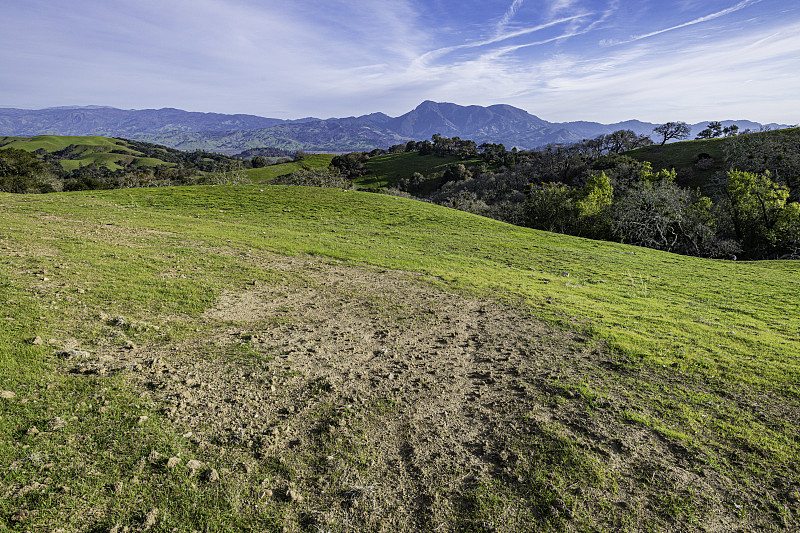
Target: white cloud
[
  {"x": 508, "y": 16},
  {"x": 291, "y": 59},
  {"x": 699, "y": 20}
]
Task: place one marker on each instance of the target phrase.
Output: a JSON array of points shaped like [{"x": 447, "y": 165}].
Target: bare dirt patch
[{"x": 359, "y": 399}]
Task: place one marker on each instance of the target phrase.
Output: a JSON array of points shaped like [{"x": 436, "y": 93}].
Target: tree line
[{"x": 591, "y": 189}]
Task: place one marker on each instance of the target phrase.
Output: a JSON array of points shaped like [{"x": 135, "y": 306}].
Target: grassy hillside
[
  {"x": 266, "y": 174},
  {"x": 683, "y": 157},
  {"x": 386, "y": 170},
  {"x": 53, "y": 143},
  {"x": 103, "y": 151},
  {"x": 72, "y": 152},
  {"x": 393, "y": 365}
]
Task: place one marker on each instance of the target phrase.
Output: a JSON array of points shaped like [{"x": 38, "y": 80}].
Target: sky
[{"x": 562, "y": 60}]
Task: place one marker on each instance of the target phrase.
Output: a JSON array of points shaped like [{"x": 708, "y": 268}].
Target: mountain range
[{"x": 231, "y": 134}]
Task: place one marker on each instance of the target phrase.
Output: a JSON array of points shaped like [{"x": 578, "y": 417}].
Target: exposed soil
[{"x": 371, "y": 400}]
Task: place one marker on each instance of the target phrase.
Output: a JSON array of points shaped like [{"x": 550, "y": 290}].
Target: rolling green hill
[
  {"x": 83, "y": 151},
  {"x": 72, "y": 152},
  {"x": 689, "y": 159},
  {"x": 268, "y": 173},
  {"x": 388, "y": 169},
  {"x": 253, "y": 358}
]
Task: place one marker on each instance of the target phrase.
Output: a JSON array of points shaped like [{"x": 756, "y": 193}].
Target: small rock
[
  {"x": 130, "y": 345},
  {"x": 150, "y": 519},
  {"x": 117, "y": 487},
  {"x": 211, "y": 475},
  {"x": 194, "y": 464},
  {"x": 142, "y": 420},
  {"x": 173, "y": 462},
  {"x": 7, "y": 395},
  {"x": 154, "y": 456},
  {"x": 75, "y": 354},
  {"x": 265, "y": 494},
  {"x": 37, "y": 341},
  {"x": 32, "y": 431},
  {"x": 294, "y": 495}
]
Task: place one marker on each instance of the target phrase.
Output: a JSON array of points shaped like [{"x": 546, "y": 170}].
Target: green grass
[
  {"x": 53, "y": 143},
  {"x": 700, "y": 343},
  {"x": 683, "y": 155},
  {"x": 87, "y": 150},
  {"x": 386, "y": 170},
  {"x": 266, "y": 174}
]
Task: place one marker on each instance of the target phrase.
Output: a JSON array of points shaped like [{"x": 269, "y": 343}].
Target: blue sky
[{"x": 599, "y": 60}]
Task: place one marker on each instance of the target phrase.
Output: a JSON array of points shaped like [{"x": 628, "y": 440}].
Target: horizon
[
  {"x": 562, "y": 60},
  {"x": 615, "y": 122}
]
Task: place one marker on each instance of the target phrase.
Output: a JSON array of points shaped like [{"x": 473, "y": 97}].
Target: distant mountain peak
[{"x": 497, "y": 123}]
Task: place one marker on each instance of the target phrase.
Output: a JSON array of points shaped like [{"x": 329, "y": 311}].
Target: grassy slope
[
  {"x": 89, "y": 149},
  {"x": 53, "y": 143},
  {"x": 265, "y": 174},
  {"x": 386, "y": 170},
  {"x": 700, "y": 325},
  {"x": 682, "y": 156}
]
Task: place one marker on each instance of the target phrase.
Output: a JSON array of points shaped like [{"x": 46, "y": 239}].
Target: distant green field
[
  {"x": 150, "y": 162},
  {"x": 86, "y": 151},
  {"x": 265, "y": 174},
  {"x": 386, "y": 170},
  {"x": 53, "y": 143}
]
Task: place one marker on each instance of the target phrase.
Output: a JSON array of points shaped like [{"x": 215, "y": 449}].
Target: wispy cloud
[
  {"x": 342, "y": 57},
  {"x": 699, "y": 20},
  {"x": 508, "y": 17}
]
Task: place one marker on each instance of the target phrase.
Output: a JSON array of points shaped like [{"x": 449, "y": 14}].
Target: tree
[
  {"x": 592, "y": 206},
  {"x": 457, "y": 172},
  {"x": 714, "y": 129},
  {"x": 550, "y": 207},
  {"x": 776, "y": 151},
  {"x": 595, "y": 196},
  {"x": 350, "y": 165},
  {"x": 757, "y": 206},
  {"x": 731, "y": 131},
  {"x": 615, "y": 142},
  {"x": 659, "y": 214},
  {"x": 22, "y": 172},
  {"x": 259, "y": 161},
  {"x": 672, "y": 130}
]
